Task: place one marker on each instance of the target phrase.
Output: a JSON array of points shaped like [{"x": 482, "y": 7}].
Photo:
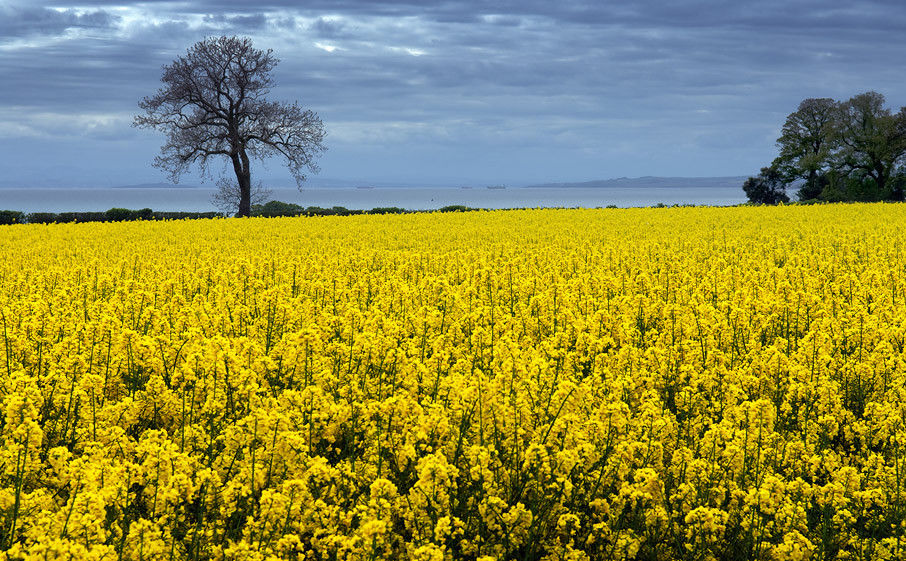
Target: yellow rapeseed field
[{"x": 687, "y": 383}]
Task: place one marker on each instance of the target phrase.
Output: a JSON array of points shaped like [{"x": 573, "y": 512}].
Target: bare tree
[
  {"x": 213, "y": 104},
  {"x": 228, "y": 197}
]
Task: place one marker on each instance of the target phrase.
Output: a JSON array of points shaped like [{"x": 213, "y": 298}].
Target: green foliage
[
  {"x": 833, "y": 194},
  {"x": 844, "y": 150},
  {"x": 176, "y": 215},
  {"x": 269, "y": 209},
  {"x": 862, "y": 188},
  {"x": 277, "y": 208},
  {"x": 897, "y": 185},
  {"x": 767, "y": 188},
  {"x": 454, "y": 208},
  {"x": 11, "y": 217},
  {"x": 64, "y": 217},
  {"x": 333, "y": 211},
  {"x": 113, "y": 215},
  {"x": 806, "y": 141},
  {"x": 119, "y": 214},
  {"x": 42, "y": 218},
  {"x": 813, "y": 186}
]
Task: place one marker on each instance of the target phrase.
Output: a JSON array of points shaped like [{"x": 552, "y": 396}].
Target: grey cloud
[
  {"x": 502, "y": 77},
  {"x": 86, "y": 74},
  {"x": 243, "y": 23},
  {"x": 330, "y": 29},
  {"x": 22, "y": 21},
  {"x": 457, "y": 16},
  {"x": 504, "y": 20},
  {"x": 804, "y": 16}
]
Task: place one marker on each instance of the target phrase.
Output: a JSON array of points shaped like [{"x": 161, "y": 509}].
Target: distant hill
[
  {"x": 156, "y": 186},
  {"x": 650, "y": 181}
]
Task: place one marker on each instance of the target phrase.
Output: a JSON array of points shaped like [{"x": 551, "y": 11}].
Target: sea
[{"x": 198, "y": 199}]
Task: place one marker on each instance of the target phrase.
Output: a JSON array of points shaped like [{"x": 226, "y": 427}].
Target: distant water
[{"x": 199, "y": 199}]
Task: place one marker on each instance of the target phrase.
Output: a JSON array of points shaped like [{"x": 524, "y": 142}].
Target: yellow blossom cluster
[{"x": 686, "y": 383}]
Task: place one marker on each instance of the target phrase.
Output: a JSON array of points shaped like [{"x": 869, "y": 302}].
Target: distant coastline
[
  {"x": 314, "y": 183},
  {"x": 155, "y": 186},
  {"x": 199, "y": 199},
  {"x": 648, "y": 182}
]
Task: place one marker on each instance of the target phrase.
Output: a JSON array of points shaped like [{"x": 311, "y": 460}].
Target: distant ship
[
  {"x": 496, "y": 187},
  {"x": 365, "y": 187}
]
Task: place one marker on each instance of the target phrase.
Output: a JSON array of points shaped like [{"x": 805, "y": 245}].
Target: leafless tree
[
  {"x": 213, "y": 103},
  {"x": 228, "y": 197}
]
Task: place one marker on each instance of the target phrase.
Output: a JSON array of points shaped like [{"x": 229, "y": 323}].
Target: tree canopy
[
  {"x": 214, "y": 104},
  {"x": 838, "y": 151},
  {"x": 805, "y": 143},
  {"x": 767, "y": 188}
]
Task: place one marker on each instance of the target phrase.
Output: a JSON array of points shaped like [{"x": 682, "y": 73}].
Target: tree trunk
[
  {"x": 245, "y": 195},
  {"x": 881, "y": 179},
  {"x": 243, "y": 176},
  {"x": 811, "y": 183}
]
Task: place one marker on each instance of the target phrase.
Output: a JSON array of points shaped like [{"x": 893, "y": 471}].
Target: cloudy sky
[{"x": 456, "y": 91}]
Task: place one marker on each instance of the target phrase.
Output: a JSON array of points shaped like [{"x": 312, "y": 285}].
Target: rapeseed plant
[{"x": 661, "y": 384}]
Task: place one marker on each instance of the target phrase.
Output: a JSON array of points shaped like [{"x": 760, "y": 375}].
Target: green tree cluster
[{"x": 851, "y": 150}]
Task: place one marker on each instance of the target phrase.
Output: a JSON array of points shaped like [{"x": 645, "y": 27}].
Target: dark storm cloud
[{"x": 652, "y": 86}]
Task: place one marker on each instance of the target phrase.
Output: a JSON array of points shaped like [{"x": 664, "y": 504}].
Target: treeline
[
  {"x": 833, "y": 151},
  {"x": 270, "y": 209},
  {"x": 278, "y": 208},
  {"x": 111, "y": 215}
]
